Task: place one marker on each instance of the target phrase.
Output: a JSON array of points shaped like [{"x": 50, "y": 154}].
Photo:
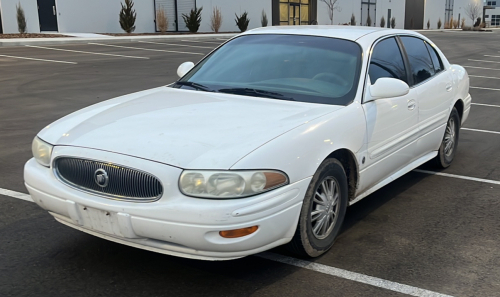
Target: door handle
[
  {"x": 54, "y": 9},
  {"x": 449, "y": 88},
  {"x": 412, "y": 104}
]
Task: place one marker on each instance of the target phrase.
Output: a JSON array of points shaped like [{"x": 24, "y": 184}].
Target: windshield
[{"x": 286, "y": 67}]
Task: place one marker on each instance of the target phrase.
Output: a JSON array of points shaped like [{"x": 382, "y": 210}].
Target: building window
[
  {"x": 495, "y": 20},
  {"x": 492, "y": 3},
  {"x": 368, "y": 8},
  {"x": 294, "y": 12}
]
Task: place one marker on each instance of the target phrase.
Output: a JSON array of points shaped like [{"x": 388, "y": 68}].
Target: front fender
[{"x": 299, "y": 152}]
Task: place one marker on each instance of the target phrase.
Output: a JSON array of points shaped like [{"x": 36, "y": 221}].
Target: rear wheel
[
  {"x": 449, "y": 145},
  {"x": 323, "y": 211}
]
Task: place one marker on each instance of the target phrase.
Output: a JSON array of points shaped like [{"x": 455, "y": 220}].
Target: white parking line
[
  {"x": 35, "y": 59},
  {"x": 83, "y": 52},
  {"x": 484, "y": 61},
  {"x": 490, "y": 77},
  {"x": 196, "y": 46},
  {"x": 481, "y": 88},
  {"x": 201, "y": 41},
  {"x": 481, "y": 68},
  {"x": 145, "y": 49},
  {"x": 492, "y": 56},
  {"x": 483, "y": 131},
  {"x": 488, "y": 181},
  {"x": 353, "y": 276},
  {"x": 17, "y": 195},
  {"x": 489, "y": 105}
]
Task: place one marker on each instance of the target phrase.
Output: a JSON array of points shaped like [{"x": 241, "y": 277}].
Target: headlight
[
  {"x": 229, "y": 184},
  {"x": 41, "y": 151}
]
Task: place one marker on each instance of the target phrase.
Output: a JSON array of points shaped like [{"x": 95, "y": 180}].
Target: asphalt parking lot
[{"x": 429, "y": 233}]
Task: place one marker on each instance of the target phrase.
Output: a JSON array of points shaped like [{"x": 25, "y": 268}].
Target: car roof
[{"x": 352, "y": 33}]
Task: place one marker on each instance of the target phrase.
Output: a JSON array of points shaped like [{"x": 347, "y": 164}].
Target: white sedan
[{"x": 264, "y": 142}]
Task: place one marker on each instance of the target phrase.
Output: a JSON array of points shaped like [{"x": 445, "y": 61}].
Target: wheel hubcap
[
  {"x": 449, "y": 138},
  {"x": 325, "y": 207}
]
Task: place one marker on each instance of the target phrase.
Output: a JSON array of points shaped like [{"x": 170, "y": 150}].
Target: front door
[
  {"x": 47, "y": 15},
  {"x": 294, "y": 14},
  {"x": 392, "y": 123}
]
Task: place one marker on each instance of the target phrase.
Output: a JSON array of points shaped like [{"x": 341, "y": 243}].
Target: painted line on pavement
[
  {"x": 492, "y": 56},
  {"x": 484, "y": 61},
  {"x": 145, "y": 49},
  {"x": 490, "y": 77},
  {"x": 353, "y": 276},
  {"x": 482, "y": 180},
  {"x": 35, "y": 59},
  {"x": 481, "y": 68},
  {"x": 483, "y": 131},
  {"x": 491, "y": 89},
  {"x": 196, "y": 46},
  {"x": 84, "y": 52},
  {"x": 202, "y": 41},
  {"x": 489, "y": 105},
  {"x": 17, "y": 195}
]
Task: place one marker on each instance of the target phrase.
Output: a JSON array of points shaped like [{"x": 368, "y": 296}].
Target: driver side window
[{"x": 387, "y": 61}]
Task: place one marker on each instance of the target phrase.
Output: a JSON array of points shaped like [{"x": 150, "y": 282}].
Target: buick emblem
[{"x": 101, "y": 178}]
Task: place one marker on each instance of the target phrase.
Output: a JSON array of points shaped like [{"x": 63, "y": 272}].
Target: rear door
[{"x": 435, "y": 92}]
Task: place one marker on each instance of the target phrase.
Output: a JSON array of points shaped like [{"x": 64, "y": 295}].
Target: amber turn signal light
[{"x": 238, "y": 232}]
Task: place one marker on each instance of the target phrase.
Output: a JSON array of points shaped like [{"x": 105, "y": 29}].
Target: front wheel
[
  {"x": 323, "y": 211},
  {"x": 449, "y": 145}
]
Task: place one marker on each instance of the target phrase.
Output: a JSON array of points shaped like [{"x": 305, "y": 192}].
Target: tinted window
[
  {"x": 436, "y": 60},
  {"x": 298, "y": 67},
  {"x": 420, "y": 60},
  {"x": 387, "y": 61}
]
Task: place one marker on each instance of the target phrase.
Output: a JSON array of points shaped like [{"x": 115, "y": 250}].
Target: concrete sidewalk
[{"x": 76, "y": 40}]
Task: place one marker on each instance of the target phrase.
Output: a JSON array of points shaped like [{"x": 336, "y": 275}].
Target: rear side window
[
  {"x": 387, "y": 61},
  {"x": 421, "y": 64},
  {"x": 436, "y": 60}
]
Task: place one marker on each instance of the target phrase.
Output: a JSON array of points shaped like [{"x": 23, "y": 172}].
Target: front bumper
[{"x": 175, "y": 225}]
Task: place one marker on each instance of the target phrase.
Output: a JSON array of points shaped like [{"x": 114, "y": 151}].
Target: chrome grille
[{"x": 122, "y": 183}]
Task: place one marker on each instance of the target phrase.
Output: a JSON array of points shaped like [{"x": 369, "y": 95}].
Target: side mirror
[
  {"x": 184, "y": 68},
  {"x": 388, "y": 88}
]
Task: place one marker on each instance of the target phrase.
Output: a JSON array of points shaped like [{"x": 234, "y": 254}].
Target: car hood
[{"x": 183, "y": 128}]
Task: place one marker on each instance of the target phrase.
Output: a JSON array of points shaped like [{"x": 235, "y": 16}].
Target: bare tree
[
  {"x": 332, "y": 6},
  {"x": 216, "y": 19},
  {"x": 473, "y": 11}
]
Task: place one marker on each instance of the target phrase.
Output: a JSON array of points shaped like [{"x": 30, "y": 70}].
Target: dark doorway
[
  {"x": 389, "y": 18},
  {"x": 47, "y": 15},
  {"x": 414, "y": 14}
]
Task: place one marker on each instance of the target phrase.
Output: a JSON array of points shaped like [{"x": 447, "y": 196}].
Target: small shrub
[
  {"x": 216, "y": 20},
  {"x": 439, "y": 23},
  {"x": 193, "y": 19},
  {"x": 382, "y": 22},
  {"x": 467, "y": 28},
  {"x": 242, "y": 21},
  {"x": 21, "y": 19},
  {"x": 463, "y": 23},
  {"x": 161, "y": 20},
  {"x": 263, "y": 19},
  {"x": 450, "y": 23},
  {"x": 127, "y": 16},
  {"x": 428, "y": 24},
  {"x": 478, "y": 22},
  {"x": 368, "y": 21},
  {"x": 483, "y": 25},
  {"x": 393, "y": 22},
  {"x": 353, "y": 20},
  {"x": 446, "y": 25},
  {"x": 455, "y": 24}
]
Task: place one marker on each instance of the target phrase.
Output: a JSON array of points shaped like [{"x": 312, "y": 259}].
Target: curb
[{"x": 111, "y": 39}]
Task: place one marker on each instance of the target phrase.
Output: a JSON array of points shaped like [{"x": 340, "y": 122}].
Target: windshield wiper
[
  {"x": 194, "y": 85},
  {"x": 256, "y": 92}
]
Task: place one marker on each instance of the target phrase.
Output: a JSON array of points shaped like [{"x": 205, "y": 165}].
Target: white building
[
  {"x": 99, "y": 16},
  {"x": 492, "y": 15}
]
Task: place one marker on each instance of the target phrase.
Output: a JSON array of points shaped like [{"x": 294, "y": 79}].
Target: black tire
[
  {"x": 447, "y": 154},
  {"x": 307, "y": 241}
]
